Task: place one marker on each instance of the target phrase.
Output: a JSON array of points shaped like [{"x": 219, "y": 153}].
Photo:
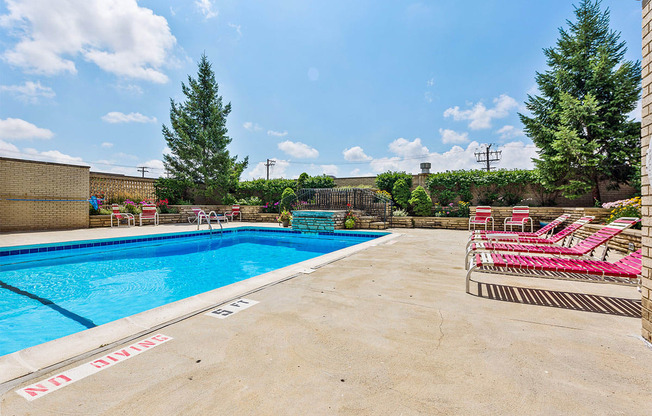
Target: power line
[
  {"x": 488, "y": 157},
  {"x": 143, "y": 169}
]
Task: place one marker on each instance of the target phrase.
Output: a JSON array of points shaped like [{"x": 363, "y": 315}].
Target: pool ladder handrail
[{"x": 208, "y": 221}]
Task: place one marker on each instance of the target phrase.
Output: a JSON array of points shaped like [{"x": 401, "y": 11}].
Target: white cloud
[
  {"x": 118, "y": 117},
  {"x": 479, "y": 116},
  {"x": 118, "y": 36},
  {"x": 29, "y": 92},
  {"x": 515, "y": 155},
  {"x": 10, "y": 150},
  {"x": 405, "y": 148},
  {"x": 430, "y": 82},
  {"x": 236, "y": 27},
  {"x": 206, "y": 8},
  {"x": 277, "y": 133},
  {"x": 329, "y": 169},
  {"x": 313, "y": 74},
  {"x": 298, "y": 149},
  {"x": 248, "y": 125},
  {"x": 451, "y": 136},
  {"x": 279, "y": 170},
  {"x": 509, "y": 132},
  {"x": 17, "y": 129},
  {"x": 107, "y": 145},
  {"x": 355, "y": 154},
  {"x": 427, "y": 96}
]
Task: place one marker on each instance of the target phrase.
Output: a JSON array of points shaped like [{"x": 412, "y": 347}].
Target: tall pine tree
[
  {"x": 198, "y": 137},
  {"x": 580, "y": 119}
]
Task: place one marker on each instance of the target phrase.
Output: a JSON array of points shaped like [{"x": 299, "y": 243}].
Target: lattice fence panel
[{"x": 119, "y": 187}]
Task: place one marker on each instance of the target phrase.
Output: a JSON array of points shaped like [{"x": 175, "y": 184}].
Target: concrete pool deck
[{"x": 387, "y": 330}]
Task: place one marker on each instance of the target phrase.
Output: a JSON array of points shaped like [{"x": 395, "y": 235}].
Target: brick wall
[
  {"x": 63, "y": 187},
  {"x": 646, "y": 122}
]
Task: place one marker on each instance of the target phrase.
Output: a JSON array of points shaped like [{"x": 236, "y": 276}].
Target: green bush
[
  {"x": 322, "y": 181},
  {"x": 301, "y": 182},
  {"x": 385, "y": 181},
  {"x": 252, "y": 200},
  {"x": 288, "y": 198},
  {"x": 421, "y": 202},
  {"x": 174, "y": 190},
  {"x": 401, "y": 192}
]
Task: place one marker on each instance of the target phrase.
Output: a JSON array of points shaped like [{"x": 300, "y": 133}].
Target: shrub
[
  {"x": 624, "y": 208},
  {"x": 384, "y": 195},
  {"x": 400, "y": 213},
  {"x": 174, "y": 190},
  {"x": 401, "y": 192},
  {"x": 349, "y": 223},
  {"x": 301, "y": 182},
  {"x": 131, "y": 207},
  {"x": 385, "y": 181},
  {"x": 252, "y": 200},
  {"x": 322, "y": 181},
  {"x": 421, "y": 202},
  {"x": 288, "y": 198}
]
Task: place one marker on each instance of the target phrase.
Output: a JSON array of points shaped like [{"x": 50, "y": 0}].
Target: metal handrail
[{"x": 208, "y": 221}]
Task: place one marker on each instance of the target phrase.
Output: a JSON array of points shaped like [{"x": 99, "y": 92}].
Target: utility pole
[
  {"x": 270, "y": 162},
  {"x": 143, "y": 169},
  {"x": 487, "y": 156}
]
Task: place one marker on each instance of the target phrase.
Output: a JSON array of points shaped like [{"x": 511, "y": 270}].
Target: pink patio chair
[
  {"x": 121, "y": 215},
  {"x": 582, "y": 249},
  {"x": 497, "y": 235},
  {"x": 532, "y": 238},
  {"x": 625, "y": 271},
  {"x": 149, "y": 213},
  {"x": 235, "y": 210},
  {"x": 481, "y": 217},
  {"x": 520, "y": 217}
]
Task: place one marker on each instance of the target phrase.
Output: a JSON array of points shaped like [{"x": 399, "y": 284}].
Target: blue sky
[{"x": 338, "y": 87}]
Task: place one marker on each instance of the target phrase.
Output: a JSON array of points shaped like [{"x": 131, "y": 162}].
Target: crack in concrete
[{"x": 441, "y": 331}]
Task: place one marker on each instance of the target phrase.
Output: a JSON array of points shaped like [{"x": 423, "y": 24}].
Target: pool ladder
[{"x": 210, "y": 226}]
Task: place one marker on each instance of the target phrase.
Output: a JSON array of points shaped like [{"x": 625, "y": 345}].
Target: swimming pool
[{"x": 49, "y": 291}]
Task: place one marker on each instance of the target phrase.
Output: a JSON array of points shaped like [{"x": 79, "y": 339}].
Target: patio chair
[
  {"x": 481, "y": 217},
  {"x": 582, "y": 249},
  {"x": 493, "y": 235},
  {"x": 531, "y": 238},
  {"x": 115, "y": 212},
  {"x": 149, "y": 213},
  {"x": 520, "y": 217},
  {"x": 235, "y": 210},
  {"x": 625, "y": 271}
]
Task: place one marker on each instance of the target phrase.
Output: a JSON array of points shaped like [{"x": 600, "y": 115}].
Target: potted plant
[
  {"x": 350, "y": 219},
  {"x": 284, "y": 218}
]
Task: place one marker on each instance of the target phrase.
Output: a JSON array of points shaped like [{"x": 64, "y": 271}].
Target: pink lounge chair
[
  {"x": 235, "y": 210},
  {"x": 481, "y": 217},
  {"x": 583, "y": 248},
  {"x": 497, "y": 235},
  {"x": 625, "y": 271},
  {"x": 149, "y": 213},
  {"x": 531, "y": 238},
  {"x": 520, "y": 217},
  {"x": 121, "y": 215}
]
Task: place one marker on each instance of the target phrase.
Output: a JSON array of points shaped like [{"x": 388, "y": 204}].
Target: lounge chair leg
[
  {"x": 466, "y": 259},
  {"x": 468, "y": 279}
]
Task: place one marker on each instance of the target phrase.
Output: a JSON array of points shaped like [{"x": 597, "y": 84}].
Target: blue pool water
[{"x": 59, "y": 290}]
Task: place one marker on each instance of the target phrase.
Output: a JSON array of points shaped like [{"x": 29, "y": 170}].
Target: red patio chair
[
  {"x": 520, "y": 216},
  {"x": 584, "y": 248},
  {"x": 149, "y": 213},
  {"x": 121, "y": 215},
  {"x": 625, "y": 271},
  {"x": 481, "y": 217},
  {"x": 235, "y": 210}
]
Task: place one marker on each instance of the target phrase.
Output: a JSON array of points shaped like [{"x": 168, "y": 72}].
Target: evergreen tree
[
  {"x": 198, "y": 137},
  {"x": 580, "y": 121}
]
